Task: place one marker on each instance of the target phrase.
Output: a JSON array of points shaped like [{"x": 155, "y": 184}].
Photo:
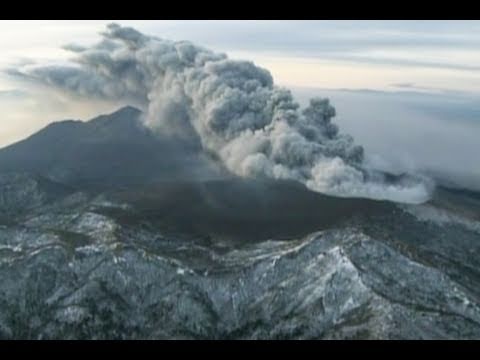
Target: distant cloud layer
[
  {"x": 413, "y": 130},
  {"x": 233, "y": 107}
]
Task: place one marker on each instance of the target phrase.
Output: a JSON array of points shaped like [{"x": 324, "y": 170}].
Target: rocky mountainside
[
  {"x": 148, "y": 257},
  {"x": 22, "y": 192},
  {"x": 73, "y": 270}
]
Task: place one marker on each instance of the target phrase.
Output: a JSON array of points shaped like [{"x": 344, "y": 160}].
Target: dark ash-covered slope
[
  {"x": 97, "y": 243},
  {"x": 173, "y": 184},
  {"x": 75, "y": 271},
  {"x": 110, "y": 150},
  {"x": 241, "y": 209}
]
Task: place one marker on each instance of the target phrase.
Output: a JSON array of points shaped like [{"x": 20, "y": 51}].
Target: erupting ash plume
[{"x": 231, "y": 107}]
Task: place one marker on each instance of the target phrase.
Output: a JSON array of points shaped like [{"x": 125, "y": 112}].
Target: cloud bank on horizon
[{"x": 232, "y": 107}]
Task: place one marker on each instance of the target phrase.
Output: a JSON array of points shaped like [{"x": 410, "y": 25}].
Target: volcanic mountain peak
[{"x": 109, "y": 150}]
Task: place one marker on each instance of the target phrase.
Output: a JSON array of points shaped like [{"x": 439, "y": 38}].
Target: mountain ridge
[
  {"x": 95, "y": 256},
  {"x": 109, "y": 150}
]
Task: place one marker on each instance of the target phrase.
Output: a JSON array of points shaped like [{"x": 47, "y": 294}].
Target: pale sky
[
  {"x": 326, "y": 54},
  {"x": 439, "y": 58}
]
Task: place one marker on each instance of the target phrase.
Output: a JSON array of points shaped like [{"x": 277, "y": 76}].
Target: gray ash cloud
[{"x": 256, "y": 128}]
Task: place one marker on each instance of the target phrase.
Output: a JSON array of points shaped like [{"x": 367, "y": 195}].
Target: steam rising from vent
[{"x": 233, "y": 107}]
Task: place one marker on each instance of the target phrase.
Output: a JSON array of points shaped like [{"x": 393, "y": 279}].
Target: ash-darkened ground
[{"x": 96, "y": 251}]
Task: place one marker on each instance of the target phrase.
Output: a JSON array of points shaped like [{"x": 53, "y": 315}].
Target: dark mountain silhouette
[
  {"x": 171, "y": 183},
  {"x": 110, "y": 150},
  {"x": 110, "y": 231}
]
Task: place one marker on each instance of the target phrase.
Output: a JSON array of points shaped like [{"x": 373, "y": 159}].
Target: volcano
[{"x": 109, "y": 230}]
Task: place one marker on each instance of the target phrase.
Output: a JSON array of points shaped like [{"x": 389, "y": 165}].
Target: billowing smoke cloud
[{"x": 233, "y": 107}]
